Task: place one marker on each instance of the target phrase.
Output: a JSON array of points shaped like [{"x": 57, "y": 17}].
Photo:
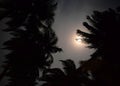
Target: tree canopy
[
  {"x": 33, "y": 40},
  {"x": 103, "y": 36}
]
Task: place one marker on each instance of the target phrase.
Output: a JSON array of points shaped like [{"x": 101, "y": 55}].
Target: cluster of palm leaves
[
  {"x": 69, "y": 76},
  {"x": 104, "y": 33},
  {"x": 104, "y": 30},
  {"x": 33, "y": 41}
]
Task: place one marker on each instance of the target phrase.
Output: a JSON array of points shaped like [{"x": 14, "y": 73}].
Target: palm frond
[
  {"x": 52, "y": 74},
  {"x": 69, "y": 66}
]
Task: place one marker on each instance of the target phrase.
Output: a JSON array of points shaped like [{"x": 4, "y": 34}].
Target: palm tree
[
  {"x": 104, "y": 33},
  {"x": 71, "y": 76},
  {"x": 33, "y": 40},
  {"x": 103, "y": 36}
]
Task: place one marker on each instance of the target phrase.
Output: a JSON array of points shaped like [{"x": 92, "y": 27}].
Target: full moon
[{"x": 78, "y": 39}]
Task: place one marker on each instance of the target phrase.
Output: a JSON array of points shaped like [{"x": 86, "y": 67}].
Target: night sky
[{"x": 70, "y": 15}]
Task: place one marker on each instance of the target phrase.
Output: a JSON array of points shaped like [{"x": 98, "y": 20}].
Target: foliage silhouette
[
  {"x": 33, "y": 40},
  {"x": 71, "y": 76},
  {"x": 104, "y": 37}
]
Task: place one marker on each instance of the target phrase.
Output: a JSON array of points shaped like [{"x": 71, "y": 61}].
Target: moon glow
[{"x": 78, "y": 39}]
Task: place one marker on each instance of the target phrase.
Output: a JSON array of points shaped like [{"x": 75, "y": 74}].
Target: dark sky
[{"x": 69, "y": 16}]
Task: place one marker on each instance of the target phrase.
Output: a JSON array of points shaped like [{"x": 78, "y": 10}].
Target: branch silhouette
[
  {"x": 33, "y": 40},
  {"x": 103, "y": 36}
]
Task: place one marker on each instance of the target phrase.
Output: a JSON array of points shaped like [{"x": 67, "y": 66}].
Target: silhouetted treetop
[
  {"x": 69, "y": 76},
  {"x": 103, "y": 36},
  {"x": 103, "y": 33},
  {"x": 21, "y": 11},
  {"x": 33, "y": 40}
]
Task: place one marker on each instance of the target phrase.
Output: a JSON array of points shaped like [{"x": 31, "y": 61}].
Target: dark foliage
[
  {"x": 33, "y": 40},
  {"x": 104, "y": 33},
  {"x": 71, "y": 76}
]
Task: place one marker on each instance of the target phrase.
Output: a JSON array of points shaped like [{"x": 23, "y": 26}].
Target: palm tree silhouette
[
  {"x": 103, "y": 36},
  {"x": 104, "y": 31},
  {"x": 33, "y": 40},
  {"x": 71, "y": 76}
]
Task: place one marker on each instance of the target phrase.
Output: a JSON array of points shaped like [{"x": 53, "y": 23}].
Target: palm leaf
[
  {"x": 69, "y": 66},
  {"x": 52, "y": 74}
]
